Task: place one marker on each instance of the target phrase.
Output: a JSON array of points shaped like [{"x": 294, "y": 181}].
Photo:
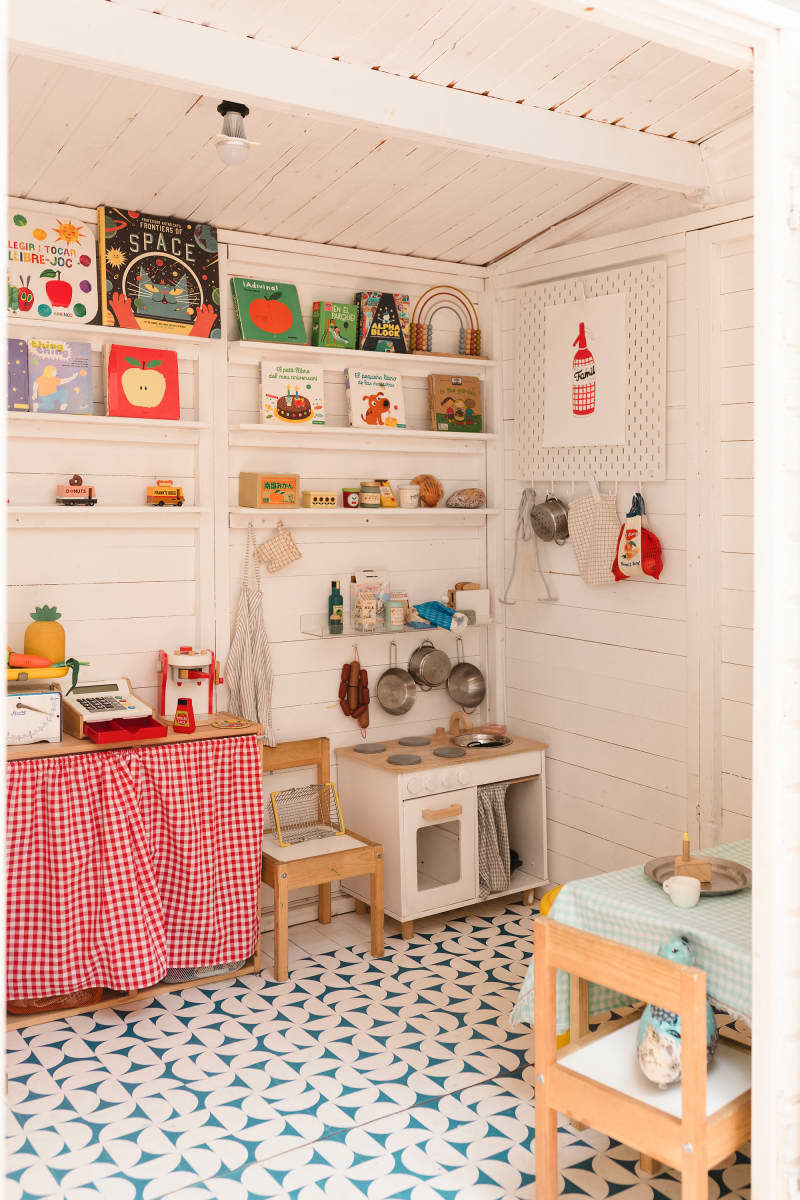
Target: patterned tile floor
[{"x": 392, "y": 1079}]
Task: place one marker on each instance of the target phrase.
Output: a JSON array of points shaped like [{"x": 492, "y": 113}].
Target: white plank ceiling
[{"x": 112, "y": 140}]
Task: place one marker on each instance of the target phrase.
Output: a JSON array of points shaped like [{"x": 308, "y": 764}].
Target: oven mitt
[
  {"x": 638, "y": 553},
  {"x": 593, "y": 529}
]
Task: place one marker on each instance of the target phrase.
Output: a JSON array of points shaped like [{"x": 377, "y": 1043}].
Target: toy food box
[
  {"x": 268, "y": 491},
  {"x": 455, "y": 402},
  {"x": 334, "y": 325}
]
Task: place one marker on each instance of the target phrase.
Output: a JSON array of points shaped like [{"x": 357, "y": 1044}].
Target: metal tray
[{"x": 726, "y": 876}]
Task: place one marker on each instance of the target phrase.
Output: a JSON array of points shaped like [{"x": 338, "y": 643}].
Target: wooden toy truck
[{"x": 165, "y": 492}]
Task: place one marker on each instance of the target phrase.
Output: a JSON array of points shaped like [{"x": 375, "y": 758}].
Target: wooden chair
[
  {"x": 284, "y": 869},
  {"x": 597, "y": 1082}
]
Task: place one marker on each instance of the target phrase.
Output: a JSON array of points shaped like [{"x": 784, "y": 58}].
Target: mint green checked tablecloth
[{"x": 628, "y": 907}]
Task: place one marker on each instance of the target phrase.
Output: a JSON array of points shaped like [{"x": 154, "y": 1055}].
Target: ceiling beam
[
  {"x": 723, "y": 31},
  {"x": 117, "y": 40}
]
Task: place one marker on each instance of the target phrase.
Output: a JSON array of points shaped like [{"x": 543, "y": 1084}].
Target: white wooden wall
[{"x": 611, "y": 677}]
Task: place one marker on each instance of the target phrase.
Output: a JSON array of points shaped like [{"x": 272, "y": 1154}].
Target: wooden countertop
[
  {"x": 428, "y": 760},
  {"x": 71, "y": 745}
]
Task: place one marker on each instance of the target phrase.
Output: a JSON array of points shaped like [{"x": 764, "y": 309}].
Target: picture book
[
  {"x": 455, "y": 403},
  {"x": 142, "y": 382},
  {"x": 375, "y": 398},
  {"x": 17, "y": 395},
  {"x": 52, "y": 266},
  {"x": 267, "y": 312},
  {"x": 291, "y": 396},
  {"x": 158, "y": 273},
  {"x": 334, "y": 325},
  {"x": 59, "y": 376},
  {"x": 384, "y": 321}
]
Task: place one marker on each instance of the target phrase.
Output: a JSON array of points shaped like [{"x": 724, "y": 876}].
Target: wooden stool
[{"x": 287, "y": 867}]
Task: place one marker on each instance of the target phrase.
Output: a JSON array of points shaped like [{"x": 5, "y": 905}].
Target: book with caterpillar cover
[{"x": 158, "y": 273}]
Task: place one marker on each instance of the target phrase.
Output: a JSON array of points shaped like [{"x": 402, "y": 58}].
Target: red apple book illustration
[
  {"x": 142, "y": 385},
  {"x": 273, "y": 316},
  {"x": 59, "y": 291}
]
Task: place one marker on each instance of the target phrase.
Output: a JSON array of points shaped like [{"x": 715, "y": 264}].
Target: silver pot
[
  {"x": 550, "y": 520},
  {"x": 429, "y": 667},
  {"x": 396, "y": 690},
  {"x": 465, "y": 683}
]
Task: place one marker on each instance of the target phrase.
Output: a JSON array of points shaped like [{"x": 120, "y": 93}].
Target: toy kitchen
[{"x": 429, "y": 801}]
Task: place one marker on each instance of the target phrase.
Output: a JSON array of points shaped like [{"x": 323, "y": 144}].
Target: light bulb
[{"x": 233, "y": 151}]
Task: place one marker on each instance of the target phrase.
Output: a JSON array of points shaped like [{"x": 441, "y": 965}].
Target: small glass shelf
[{"x": 316, "y": 625}]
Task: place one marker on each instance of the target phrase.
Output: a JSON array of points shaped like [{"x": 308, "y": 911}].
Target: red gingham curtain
[{"x": 124, "y": 863}]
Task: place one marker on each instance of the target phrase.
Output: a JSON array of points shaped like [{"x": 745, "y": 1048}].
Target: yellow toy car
[{"x": 165, "y": 492}]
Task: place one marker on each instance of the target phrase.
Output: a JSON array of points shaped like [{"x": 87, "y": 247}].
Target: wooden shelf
[
  {"x": 90, "y": 428},
  {"x": 340, "y": 437},
  {"x": 435, "y": 517},
  {"x": 54, "y": 516},
  {"x": 74, "y": 331},
  {"x": 336, "y": 359}
]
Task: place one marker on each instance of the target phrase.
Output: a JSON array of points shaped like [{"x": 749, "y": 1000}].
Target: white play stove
[{"x": 419, "y": 797}]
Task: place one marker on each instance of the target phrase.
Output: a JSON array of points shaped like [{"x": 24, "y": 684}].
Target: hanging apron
[{"x": 248, "y": 670}]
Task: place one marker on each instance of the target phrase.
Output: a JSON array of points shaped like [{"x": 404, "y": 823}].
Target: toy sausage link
[
  {"x": 363, "y": 720},
  {"x": 345, "y": 707},
  {"x": 352, "y": 686}
]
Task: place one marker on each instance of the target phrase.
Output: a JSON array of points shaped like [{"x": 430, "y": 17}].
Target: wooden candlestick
[{"x": 698, "y": 868}]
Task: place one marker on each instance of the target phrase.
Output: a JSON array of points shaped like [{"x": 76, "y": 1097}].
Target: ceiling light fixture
[{"x": 232, "y": 145}]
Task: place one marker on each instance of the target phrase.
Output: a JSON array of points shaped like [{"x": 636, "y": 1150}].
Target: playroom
[{"x": 410, "y": 808}]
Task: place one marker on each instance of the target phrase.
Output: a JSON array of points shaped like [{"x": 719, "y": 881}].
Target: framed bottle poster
[
  {"x": 52, "y": 266},
  {"x": 586, "y": 372}
]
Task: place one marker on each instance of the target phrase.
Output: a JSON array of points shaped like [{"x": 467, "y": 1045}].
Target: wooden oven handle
[{"x": 439, "y": 814}]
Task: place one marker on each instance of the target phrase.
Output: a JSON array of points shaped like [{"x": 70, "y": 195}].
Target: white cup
[
  {"x": 409, "y": 496},
  {"x": 683, "y": 890}
]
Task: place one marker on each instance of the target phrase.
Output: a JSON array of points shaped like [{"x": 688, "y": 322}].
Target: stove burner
[
  {"x": 414, "y": 741},
  {"x": 370, "y": 748},
  {"x": 404, "y": 760},
  {"x": 449, "y": 752}
]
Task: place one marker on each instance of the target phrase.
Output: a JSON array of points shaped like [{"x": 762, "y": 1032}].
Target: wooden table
[{"x": 287, "y": 867}]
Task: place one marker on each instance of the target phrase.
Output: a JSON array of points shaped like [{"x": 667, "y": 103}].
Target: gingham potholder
[
  {"x": 278, "y": 551},
  {"x": 593, "y": 532}
]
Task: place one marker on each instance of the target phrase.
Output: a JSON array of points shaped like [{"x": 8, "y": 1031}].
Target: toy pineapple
[{"x": 45, "y": 636}]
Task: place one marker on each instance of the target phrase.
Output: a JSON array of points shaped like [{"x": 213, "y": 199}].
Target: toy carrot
[{"x": 27, "y": 660}]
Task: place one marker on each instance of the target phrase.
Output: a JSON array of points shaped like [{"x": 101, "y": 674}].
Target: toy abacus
[{"x": 441, "y": 299}]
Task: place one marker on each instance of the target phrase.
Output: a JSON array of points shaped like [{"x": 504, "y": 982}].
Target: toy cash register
[{"x": 109, "y": 711}]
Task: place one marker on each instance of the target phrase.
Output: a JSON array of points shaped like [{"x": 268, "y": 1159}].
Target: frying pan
[
  {"x": 396, "y": 690},
  {"x": 465, "y": 683}
]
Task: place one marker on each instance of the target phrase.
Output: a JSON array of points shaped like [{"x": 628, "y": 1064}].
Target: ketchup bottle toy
[{"x": 183, "y": 721}]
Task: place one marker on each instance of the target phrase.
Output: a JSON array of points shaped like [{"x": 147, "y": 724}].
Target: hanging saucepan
[
  {"x": 396, "y": 690},
  {"x": 429, "y": 667},
  {"x": 550, "y": 520},
  {"x": 465, "y": 683}
]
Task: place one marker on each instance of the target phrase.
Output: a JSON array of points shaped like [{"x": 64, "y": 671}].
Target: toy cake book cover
[
  {"x": 59, "y": 376},
  {"x": 267, "y": 312},
  {"x": 52, "y": 266},
  {"x": 142, "y": 382},
  {"x": 291, "y": 396},
  {"x": 375, "y": 398},
  {"x": 158, "y": 273}
]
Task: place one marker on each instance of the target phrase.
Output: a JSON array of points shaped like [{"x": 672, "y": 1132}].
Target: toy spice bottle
[
  {"x": 335, "y": 609},
  {"x": 183, "y": 721}
]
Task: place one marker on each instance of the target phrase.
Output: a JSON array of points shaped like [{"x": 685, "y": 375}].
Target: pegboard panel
[{"x": 643, "y": 456}]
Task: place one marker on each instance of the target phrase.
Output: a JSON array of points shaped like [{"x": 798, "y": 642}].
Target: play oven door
[{"x": 440, "y": 860}]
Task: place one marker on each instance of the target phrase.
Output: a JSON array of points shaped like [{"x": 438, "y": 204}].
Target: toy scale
[{"x": 186, "y": 672}]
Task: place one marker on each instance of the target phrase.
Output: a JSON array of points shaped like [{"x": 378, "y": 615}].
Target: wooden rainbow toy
[{"x": 440, "y": 299}]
